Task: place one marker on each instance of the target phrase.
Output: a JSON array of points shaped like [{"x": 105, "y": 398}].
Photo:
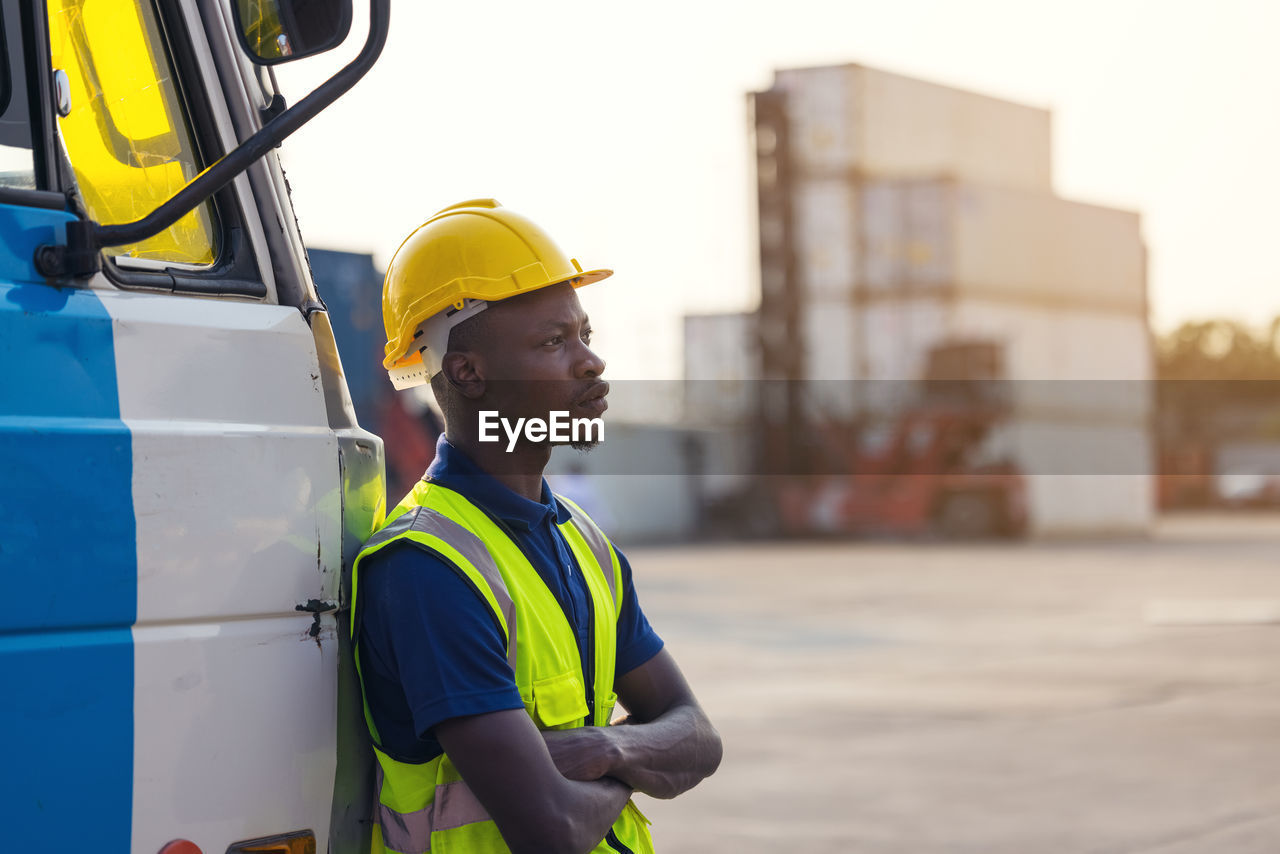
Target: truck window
[
  {"x": 17, "y": 157},
  {"x": 127, "y": 135}
]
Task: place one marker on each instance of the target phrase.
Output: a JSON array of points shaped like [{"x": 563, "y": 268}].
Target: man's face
[{"x": 537, "y": 357}]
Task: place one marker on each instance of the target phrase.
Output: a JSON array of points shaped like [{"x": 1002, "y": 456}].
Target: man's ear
[{"x": 464, "y": 373}]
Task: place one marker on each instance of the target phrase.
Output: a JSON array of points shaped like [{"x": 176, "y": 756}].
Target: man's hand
[
  {"x": 668, "y": 744},
  {"x": 664, "y": 747}
]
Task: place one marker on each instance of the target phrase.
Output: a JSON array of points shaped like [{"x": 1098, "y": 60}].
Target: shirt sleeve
[
  {"x": 427, "y": 633},
  {"x": 637, "y": 641}
]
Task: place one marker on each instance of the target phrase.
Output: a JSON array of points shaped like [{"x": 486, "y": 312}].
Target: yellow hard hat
[{"x": 474, "y": 250}]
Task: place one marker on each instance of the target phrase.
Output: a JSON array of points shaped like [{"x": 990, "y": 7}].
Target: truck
[{"x": 183, "y": 481}]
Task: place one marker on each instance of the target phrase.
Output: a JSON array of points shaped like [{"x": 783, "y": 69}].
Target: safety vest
[{"x": 427, "y": 806}]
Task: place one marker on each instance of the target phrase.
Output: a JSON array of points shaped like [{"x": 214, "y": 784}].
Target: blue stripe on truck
[{"x": 68, "y": 561}]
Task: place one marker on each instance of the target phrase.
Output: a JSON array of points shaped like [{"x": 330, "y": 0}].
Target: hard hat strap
[{"x": 431, "y": 338}]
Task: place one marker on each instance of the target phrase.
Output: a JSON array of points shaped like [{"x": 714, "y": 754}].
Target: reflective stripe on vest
[
  {"x": 454, "y": 806},
  {"x": 424, "y": 520},
  {"x": 598, "y": 545}
]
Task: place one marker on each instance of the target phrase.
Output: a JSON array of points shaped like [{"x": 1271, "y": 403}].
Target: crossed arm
[{"x": 562, "y": 790}]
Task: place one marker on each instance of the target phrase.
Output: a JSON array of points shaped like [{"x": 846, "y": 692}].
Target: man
[{"x": 495, "y": 625}]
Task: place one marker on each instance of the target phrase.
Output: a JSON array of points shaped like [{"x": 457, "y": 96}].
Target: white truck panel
[
  {"x": 218, "y": 757},
  {"x": 237, "y": 495}
]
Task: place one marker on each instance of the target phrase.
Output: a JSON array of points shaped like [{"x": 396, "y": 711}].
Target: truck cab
[{"x": 182, "y": 478}]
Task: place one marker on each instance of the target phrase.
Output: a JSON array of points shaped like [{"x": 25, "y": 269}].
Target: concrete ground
[{"x": 1068, "y": 698}]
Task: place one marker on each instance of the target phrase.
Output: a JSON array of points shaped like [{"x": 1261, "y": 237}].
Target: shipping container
[
  {"x": 927, "y": 235},
  {"x": 1034, "y": 247},
  {"x": 828, "y": 339},
  {"x": 720, "y": 346},
  {"x": 1071, "y": 505},
  {"x": 905, "y": 235},
  {"x": 882, "y": 238},
  {"x": 1081, "y": 478},
  {"x": 1041, "y": 445},
  {"x": 721, "y": 366},
  {"x": 827, "y": 232},
  {"x": 1048, "y": 343},
  {"x": 897, "y": 335},
  {"x": 1061, "y": 364},
  {"x": 1254, "y": 457},
  {"x": 851, "y": 120}
]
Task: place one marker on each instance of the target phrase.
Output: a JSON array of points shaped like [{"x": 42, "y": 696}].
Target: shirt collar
[{"x": 454, "y": 470}]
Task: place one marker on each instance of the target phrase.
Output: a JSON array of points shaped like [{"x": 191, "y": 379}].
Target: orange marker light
[
  {"x": 299, "y": 842},
  {"x": 181, "y": 846}
]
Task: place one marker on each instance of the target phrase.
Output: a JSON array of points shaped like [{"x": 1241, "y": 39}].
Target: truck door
[{"x": 173, "y": 483}]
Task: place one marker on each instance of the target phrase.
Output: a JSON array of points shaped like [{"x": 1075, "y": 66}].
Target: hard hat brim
[
  {"x": 578, "y": 280},
  {"x": 588, "y": 278}
]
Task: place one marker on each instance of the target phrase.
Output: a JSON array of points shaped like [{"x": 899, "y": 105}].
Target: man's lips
[{"x": 595, "y": 398}]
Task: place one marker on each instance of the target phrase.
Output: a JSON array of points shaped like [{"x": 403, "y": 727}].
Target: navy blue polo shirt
[{"x": 430, "y": 649}]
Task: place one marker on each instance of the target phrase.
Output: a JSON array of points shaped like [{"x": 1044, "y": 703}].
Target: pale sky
[{"x": 622, "y": 128}]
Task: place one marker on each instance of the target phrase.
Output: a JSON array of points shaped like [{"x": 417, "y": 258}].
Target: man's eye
[
  {"x": 586, "y": 337},
  {"x": 551, "y": 342}
]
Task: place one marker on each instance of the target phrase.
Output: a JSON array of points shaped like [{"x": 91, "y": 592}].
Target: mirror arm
[{"x": 267, "y": 137}]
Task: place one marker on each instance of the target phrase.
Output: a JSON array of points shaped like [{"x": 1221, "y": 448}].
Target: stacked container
[{"x": 898, "y": 215}]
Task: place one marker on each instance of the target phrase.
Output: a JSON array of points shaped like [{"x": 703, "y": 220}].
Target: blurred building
[{"x": 910, "y": 242}]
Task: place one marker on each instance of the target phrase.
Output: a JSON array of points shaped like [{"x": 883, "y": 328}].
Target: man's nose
[{"x": 590, "y": 365}]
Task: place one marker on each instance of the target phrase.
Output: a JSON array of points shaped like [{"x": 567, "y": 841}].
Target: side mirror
[{"x": 275, "y": 31}]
